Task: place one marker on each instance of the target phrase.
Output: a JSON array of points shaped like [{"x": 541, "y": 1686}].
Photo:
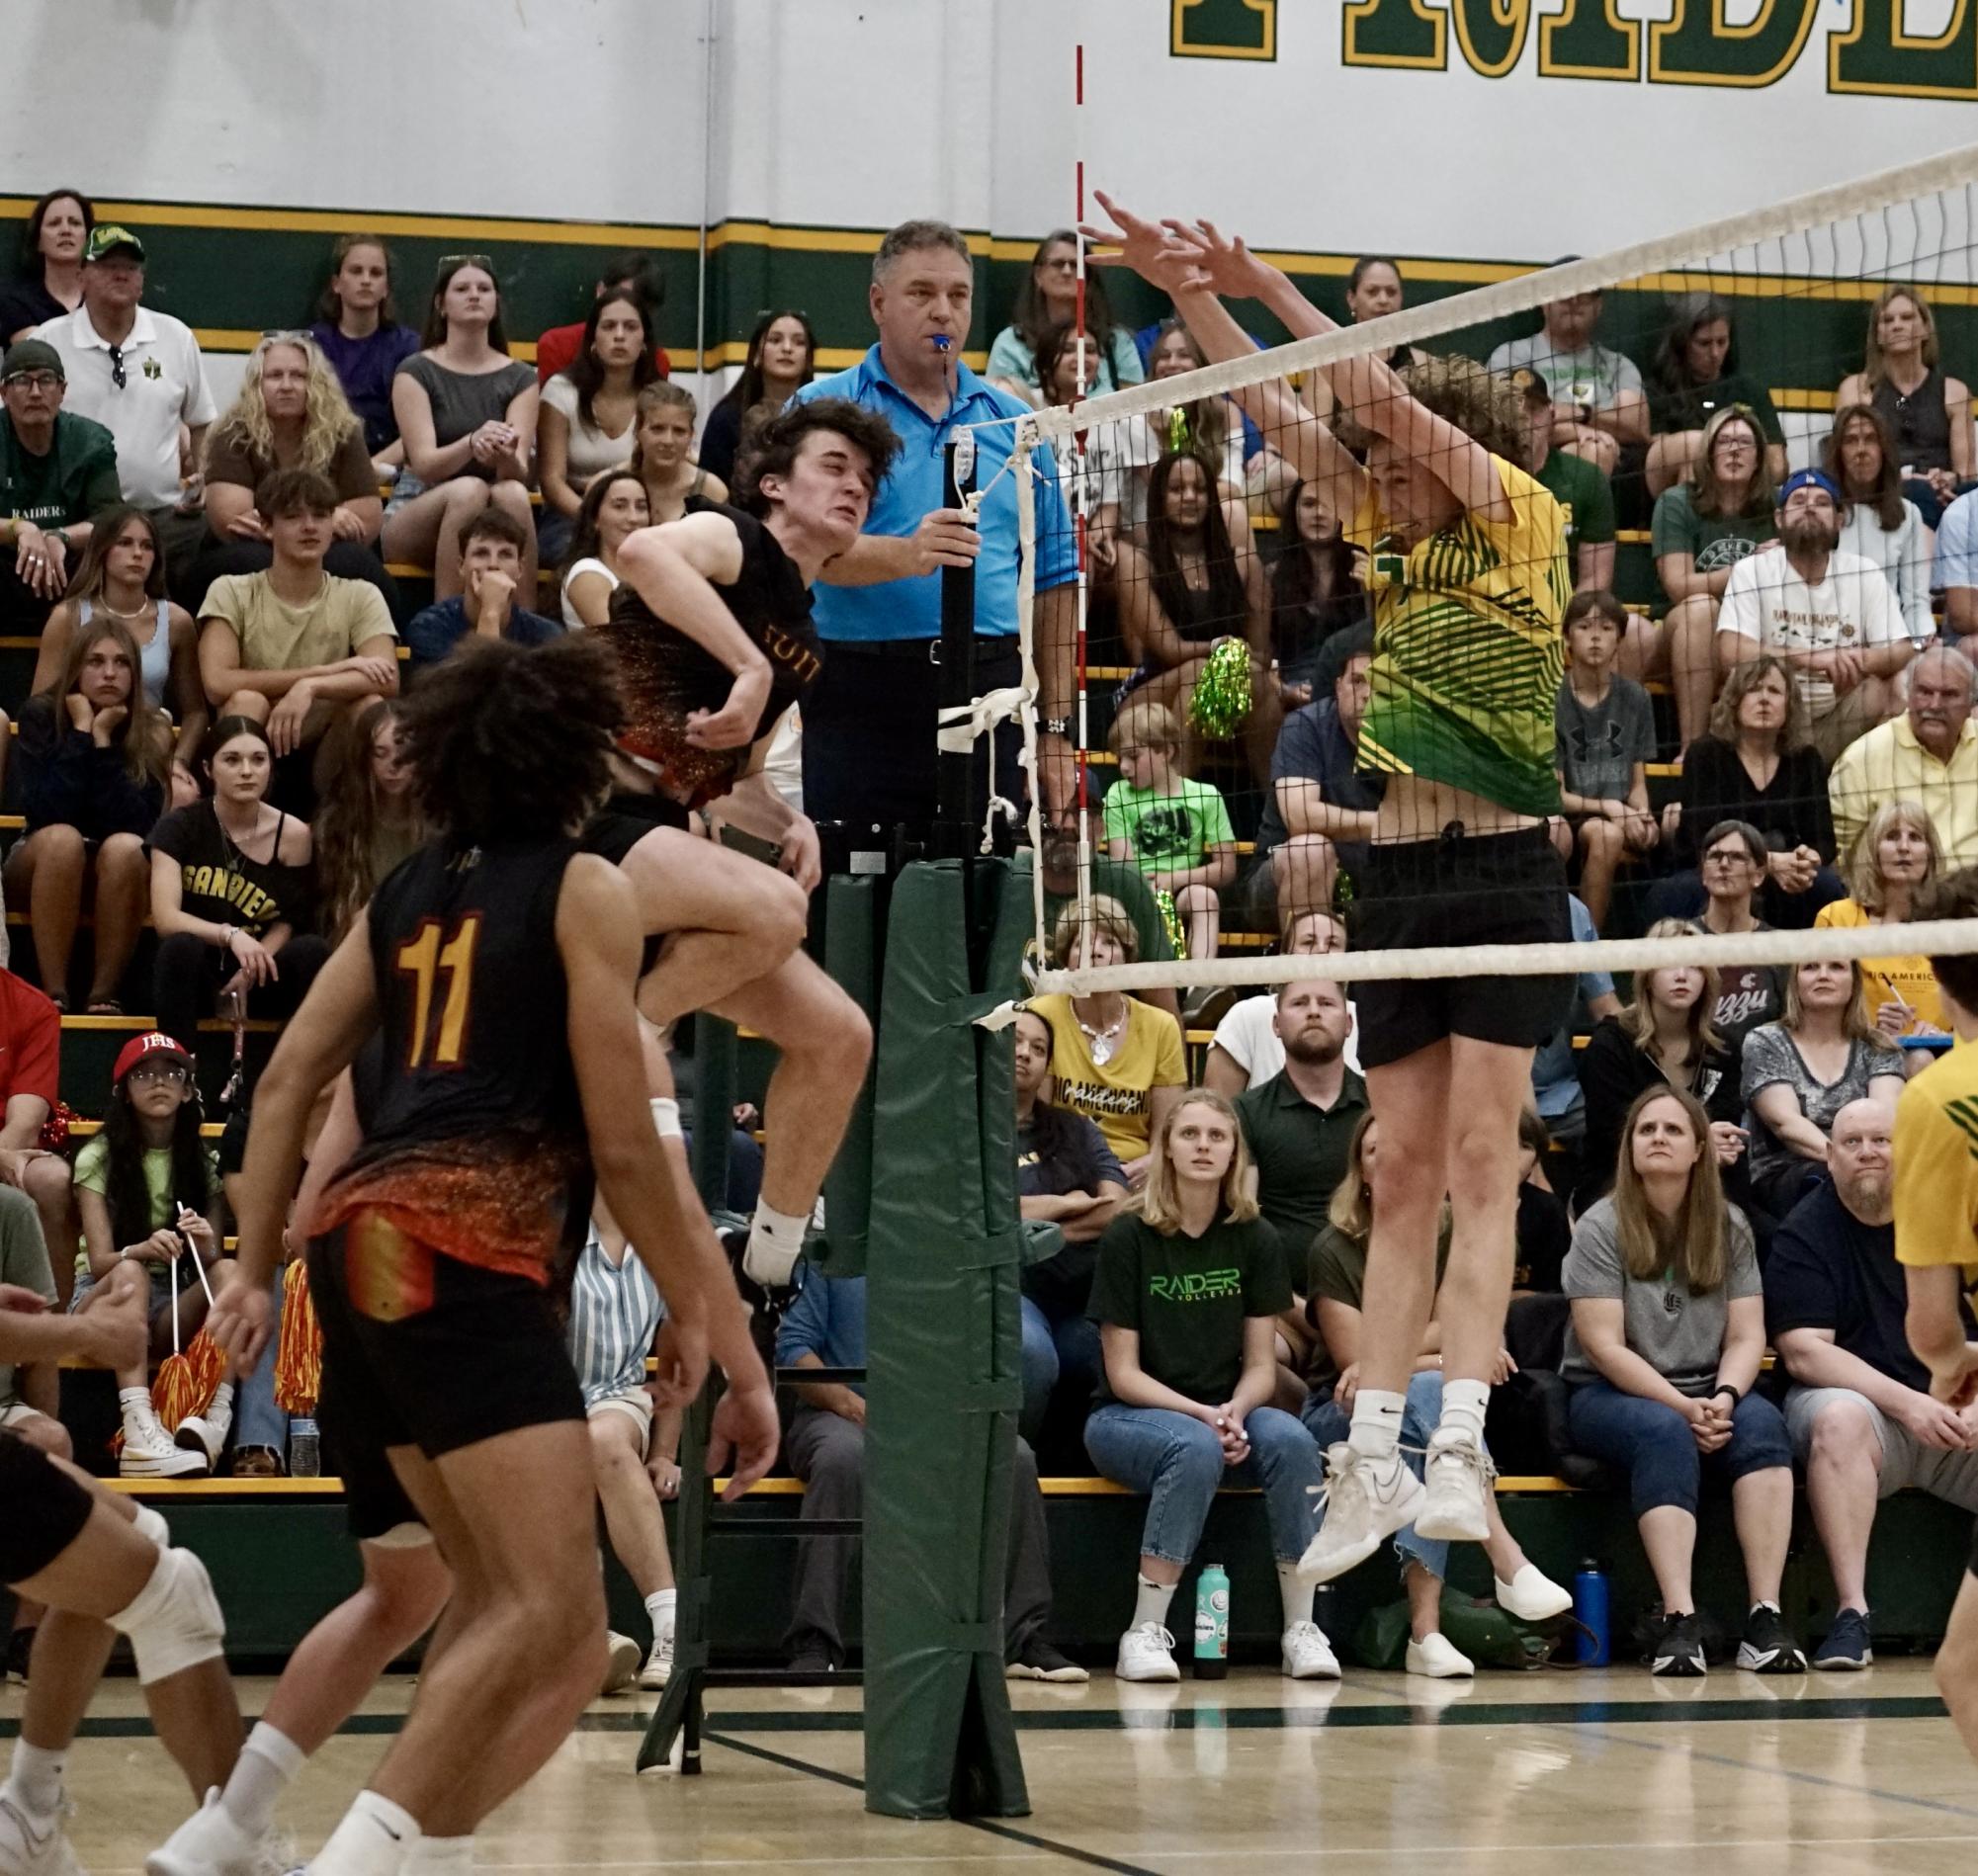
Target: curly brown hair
[
  {"x": 1486, "y": 409},
  {"x": 512, "y": 743},
  {"x": 771, "y": 448}
]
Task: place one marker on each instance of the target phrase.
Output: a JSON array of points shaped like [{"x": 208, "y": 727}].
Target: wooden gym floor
[{"x": 1603, "y": 1773}]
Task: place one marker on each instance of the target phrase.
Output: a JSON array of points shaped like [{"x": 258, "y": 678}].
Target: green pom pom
[
  {"x": 1177, "y": 936},
  {"x": 1221, "y": 705}
]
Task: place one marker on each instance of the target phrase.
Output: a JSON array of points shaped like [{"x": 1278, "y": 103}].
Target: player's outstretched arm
[{"x": 338, "y": 1014}]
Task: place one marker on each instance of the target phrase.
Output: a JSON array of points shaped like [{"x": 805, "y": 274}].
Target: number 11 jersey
[{"x": 477, "y": 1144}]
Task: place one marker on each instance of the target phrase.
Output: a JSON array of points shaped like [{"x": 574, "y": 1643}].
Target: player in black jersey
[
  {"x": 715, "y": 644},
  {"x": 500, "y": 965}
]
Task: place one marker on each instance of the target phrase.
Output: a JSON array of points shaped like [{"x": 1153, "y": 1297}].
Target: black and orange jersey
[{"x": 474, "y": 1134}]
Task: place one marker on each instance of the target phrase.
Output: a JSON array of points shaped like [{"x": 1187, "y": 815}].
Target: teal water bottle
[{"x": 1212, "y": 1623}]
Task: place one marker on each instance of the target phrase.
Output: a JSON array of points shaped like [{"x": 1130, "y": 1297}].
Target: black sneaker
[
  {"x": 1767, "y": 1646},
  {"x": 815, "y": 1657},
  {"x": 1679, "y": 1651},
  {"x": 1848, "y": 1647},
  {"x": 766, "y": 1301},
  {"x": 20, "y": 1644},
  {"x": 1038, "y": 1660}
]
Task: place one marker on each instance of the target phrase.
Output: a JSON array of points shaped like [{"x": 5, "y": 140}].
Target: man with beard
[
  {"x": 1829, "y": 613},
  {"x": 1300, "y": 1122},
  {"x": 1929, "y": 756},
  {"x": 1860, "y": 1412}
]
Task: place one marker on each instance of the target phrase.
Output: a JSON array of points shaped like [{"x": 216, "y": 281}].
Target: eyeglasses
[
  {"x": 1736, "y": 857},
  {"x": 158, "y": 1071},
  {"x": 34, "y": 381},
  {"x": 480, "y": 261},
  {"x": 117, "y": 376}
]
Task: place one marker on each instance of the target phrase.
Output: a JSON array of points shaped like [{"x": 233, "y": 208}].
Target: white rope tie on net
[
  {"x": 1938, "y": 937},
  {"x": 1690, "y": 248}
]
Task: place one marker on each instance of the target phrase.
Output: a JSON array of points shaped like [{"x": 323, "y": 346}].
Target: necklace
[
  {"x": 1104, "y": 1040},
  {"x": 128, "y": 618}
]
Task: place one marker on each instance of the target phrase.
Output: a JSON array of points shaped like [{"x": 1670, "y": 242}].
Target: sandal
[
  {"x": 257, "y": 1461},
  {"x": 105, "y": 1007},
  {"x": 60, "y": 1000}
]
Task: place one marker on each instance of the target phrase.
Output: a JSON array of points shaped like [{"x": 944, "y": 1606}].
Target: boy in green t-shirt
[{"x": 1174, "y": 828}]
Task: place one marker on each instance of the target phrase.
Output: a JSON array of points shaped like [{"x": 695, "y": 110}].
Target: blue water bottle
[
  {"x": 1590, "y": 1646},
  {"x": 1212, "y": 1623}
]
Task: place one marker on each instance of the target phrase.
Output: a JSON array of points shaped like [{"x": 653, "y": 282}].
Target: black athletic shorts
[
  {"x": 1460, "y": 890},
  {"x": 43, "y": 1509},
  {"x": 626, "y": 819},
  {"x": 420, "y": 1349}
]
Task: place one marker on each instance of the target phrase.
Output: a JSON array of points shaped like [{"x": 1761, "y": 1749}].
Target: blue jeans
[
  {"x": 1328, "y": 1422},
  {"x": 1653, "y": 1445},
  {"x": 1178, "y": 1462},
  {"x": 258, "y": 1421},
  {"x": 1055, "y": 1348}
]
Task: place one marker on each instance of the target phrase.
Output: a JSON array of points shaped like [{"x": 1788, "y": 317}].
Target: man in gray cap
[{"x": 57, "y": 472}]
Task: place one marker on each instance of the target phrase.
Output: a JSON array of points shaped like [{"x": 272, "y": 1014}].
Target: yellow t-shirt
[
  {"x": 1937, "y": 1164},
  {"x": 1468, "y": 655},
  {"x": 1900, "y": 979},
  {"x": 1113, "y": 1094},
  {"x": 275, "y": 635}
]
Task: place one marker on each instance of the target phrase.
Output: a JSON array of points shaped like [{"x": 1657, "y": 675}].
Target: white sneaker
[
  {"x": 621, "y": 1672},
  {"x": 209, "y": 1843},
  {"x": 206, "y": 1433},
  {"x": 1147, "y": 1654},
  {"x": 1362, "y": 1502},
  {"x": 658, "y": 1668},
  {"x": 149, "y": 1452},
  {"x": 1306, "y": 1653},
  {"x": 33, "y": 1846},
  {"x": 1458, "y": 1476},
  {"x": 1532, "y": 1596},
  {"x": 1439, "y": 1658}
]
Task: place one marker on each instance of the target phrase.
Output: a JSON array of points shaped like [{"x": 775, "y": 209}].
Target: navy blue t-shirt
[
  {"x": 437, "y": 628},
  {"x": 1312, "y": 746}
]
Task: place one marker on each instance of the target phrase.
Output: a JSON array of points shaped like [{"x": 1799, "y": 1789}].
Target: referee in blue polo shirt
[{"x": 869, "y": 726}]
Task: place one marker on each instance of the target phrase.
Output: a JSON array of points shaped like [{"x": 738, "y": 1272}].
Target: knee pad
[
  {"x": 151, "y": 1523},
  {"x": 175, "y": 1621}
]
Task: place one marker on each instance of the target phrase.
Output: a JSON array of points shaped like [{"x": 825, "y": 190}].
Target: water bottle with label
[
  {"x": 304, "y": 1449},
  {"x": 1212, "y": 1623}
]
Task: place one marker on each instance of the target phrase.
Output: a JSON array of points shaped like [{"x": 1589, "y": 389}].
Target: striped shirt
[
  {"x": 1468, "y": 654},
  {"x": 615, "y": 1313}
]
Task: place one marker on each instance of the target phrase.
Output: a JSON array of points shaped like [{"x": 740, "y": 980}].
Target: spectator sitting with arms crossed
[
  {"x": 121, "y": 579},
  {"x": 1830, "y": 614},
  {"x": 614, "y": 508},
  {"x": 1928, "y": 755},
  {"x": 91, "y": 782},
  {"x": 494, "y": 548},
  {"x": 1066, "y": 1176},
  {"x": 1174, "y": 828},
  {"x": 1667, "y": 1333},
  {"x": 1859, "y": 1411},
  {"x": 358, "y": 331},
  {"x": 293, "y": 648},
  {"x": 1605, "y": 727}
]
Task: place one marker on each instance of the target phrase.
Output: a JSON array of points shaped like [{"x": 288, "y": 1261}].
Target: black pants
[
  {"x": 869, "y": 756},
  {"x": 190, "y": 973}
]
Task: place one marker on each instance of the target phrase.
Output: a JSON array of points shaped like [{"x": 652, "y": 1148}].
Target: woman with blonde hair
[
  {"x": 1335, "y": 1284},
  {"x": 291, "y": 413},
  {"x": 1667, "y": 1333},
  {"x": 1666, "y": 1038},
  {"x": 1115, "y": 1060},
  {"x": 1188, "y": 1286},
  {"x": 1800, "y": 1071},
  {"x": 662, "y": 452},
  {"x": 1893, "y": 858},
  {"x": 369, "y": 818},
  {"x": 1928, "y": 413}
]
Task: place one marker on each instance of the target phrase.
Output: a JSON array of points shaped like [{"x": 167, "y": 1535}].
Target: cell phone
[{"x": 740, "y": 840}]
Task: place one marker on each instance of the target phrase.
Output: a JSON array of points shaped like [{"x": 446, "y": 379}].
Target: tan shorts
[{"x": 634, "y": 1403}]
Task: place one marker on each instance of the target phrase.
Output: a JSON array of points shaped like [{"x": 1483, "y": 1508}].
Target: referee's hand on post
[{"x": 946, "y": 536}]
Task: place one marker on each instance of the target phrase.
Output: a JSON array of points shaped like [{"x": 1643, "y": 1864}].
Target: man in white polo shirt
[
  {"x": 139, "y": 373},
  {"x": 1830, "y": 614}
]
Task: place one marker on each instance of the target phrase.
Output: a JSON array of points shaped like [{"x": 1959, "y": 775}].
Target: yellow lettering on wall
[
  {"x": 1589, "y": 40},
  {"x": 1876, "y": 56},
  {"x": 1223, "y": 29},
  {"x": 1699, "y": 47},
  {"x": 1491, "y": 33},
  {"x": 1396, "y": 33}
]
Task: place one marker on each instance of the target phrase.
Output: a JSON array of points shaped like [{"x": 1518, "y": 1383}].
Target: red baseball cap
[{"x": 139, "y": 1047}]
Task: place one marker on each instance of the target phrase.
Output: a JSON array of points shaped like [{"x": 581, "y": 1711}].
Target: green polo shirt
[
  {"x": 1300, "y": 1152},
  {"x": 75, "y": 479}
]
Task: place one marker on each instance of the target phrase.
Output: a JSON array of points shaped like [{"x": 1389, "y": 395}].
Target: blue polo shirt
[
  {"x": 826, "y": 1319},
  {"x": 911, "y": 609}
]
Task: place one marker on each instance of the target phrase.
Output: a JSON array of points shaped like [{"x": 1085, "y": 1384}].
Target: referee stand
[{"x": 923, "y": 1201}]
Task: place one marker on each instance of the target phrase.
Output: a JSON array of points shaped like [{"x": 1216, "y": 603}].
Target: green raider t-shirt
[
  {"x": 1588, "y": 498},
  {"x": 1169, "y": 833},
  {"x": 1713, "y": 542},
  {"x": 1187, "y": 1298},
  {"x": 75, "y": 479}
]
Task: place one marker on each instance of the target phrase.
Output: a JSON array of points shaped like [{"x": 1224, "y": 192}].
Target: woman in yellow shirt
[
  {"x": 1115, "y": 1060},
  {"x": 1893, "y": 857}
]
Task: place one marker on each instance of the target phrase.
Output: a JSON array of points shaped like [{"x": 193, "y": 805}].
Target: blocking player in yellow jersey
[{"x": 1937, "y": 1241}]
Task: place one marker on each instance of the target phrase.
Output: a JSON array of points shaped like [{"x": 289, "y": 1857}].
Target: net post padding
[
  {"x": 942, "y": 1341},
  {"x": 1940, "y": 937},
  {"x": 1688, "y": 249}
]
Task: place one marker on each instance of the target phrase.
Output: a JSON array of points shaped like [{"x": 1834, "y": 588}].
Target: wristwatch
[
  {"x": 1056, "y": 725},
  {"x": 1725, "y": 1386}
]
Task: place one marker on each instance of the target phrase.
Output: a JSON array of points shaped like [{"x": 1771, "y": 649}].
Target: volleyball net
[{"x": 1535, "y": 556}]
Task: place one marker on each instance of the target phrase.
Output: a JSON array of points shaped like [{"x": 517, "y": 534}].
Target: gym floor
[{"x": 1600, "y": 1773}]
